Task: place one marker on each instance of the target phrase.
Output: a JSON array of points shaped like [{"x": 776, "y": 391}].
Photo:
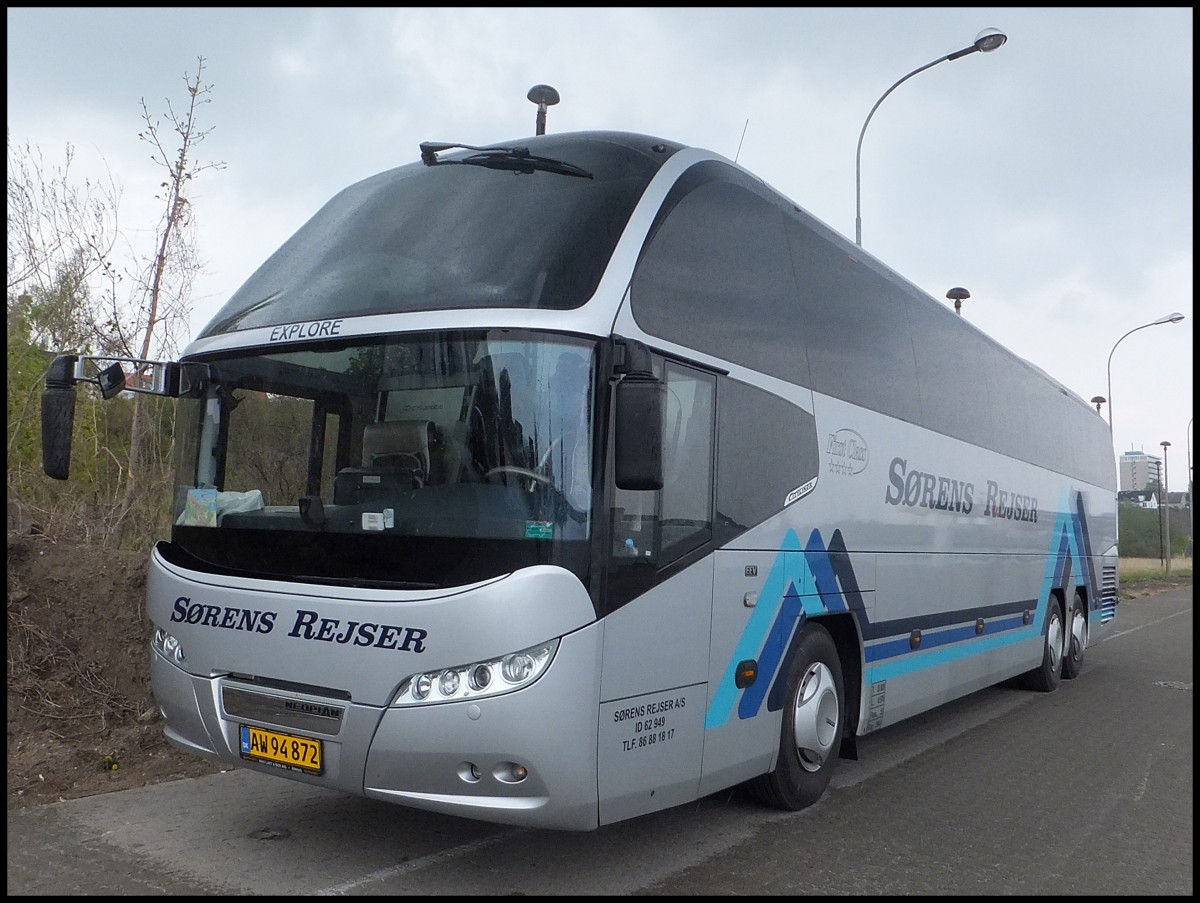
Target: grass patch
[{"x": 1141, "y": 570}]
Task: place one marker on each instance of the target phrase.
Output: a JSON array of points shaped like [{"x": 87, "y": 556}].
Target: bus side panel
[
  {"x": 652, "y": 696},
  {"x": 950, "y": 624},
  {"x": 761, "y": 599},
  {"x": 736, "y": 749},
  {"x": 970, "y": 546}
]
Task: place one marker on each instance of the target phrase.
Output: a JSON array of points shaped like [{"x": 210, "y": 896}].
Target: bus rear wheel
[
  {"x": 1045, "y": 677},
  {"x": 811, "y": 733},
  {"x": 1076, "y": 638}
]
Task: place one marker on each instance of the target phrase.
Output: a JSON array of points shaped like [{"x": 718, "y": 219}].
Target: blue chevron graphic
[{"x": 800, "y": 586}]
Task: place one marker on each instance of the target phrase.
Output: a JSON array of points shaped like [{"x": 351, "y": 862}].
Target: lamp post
[
  {"x": 1098, "y": 400},
  {"x": 1191, "y": 539},
  {"x": 1167, "y": 509},
  {"x": 1169, "y": 318},
  {"x": 988, "y": 40}
]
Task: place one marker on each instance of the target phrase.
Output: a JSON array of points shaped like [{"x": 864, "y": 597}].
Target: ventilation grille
[{"x": 1108, "y": 593}]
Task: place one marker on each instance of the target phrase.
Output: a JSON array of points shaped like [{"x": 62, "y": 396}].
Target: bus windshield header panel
[
  {"x": 420, "y": 461},
  {"x": 442, "y": 237}
]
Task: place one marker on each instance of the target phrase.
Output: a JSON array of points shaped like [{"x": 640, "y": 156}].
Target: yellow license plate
[{"x": 301, "y": 753}]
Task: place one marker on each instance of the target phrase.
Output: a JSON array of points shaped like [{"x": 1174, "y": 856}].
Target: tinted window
[
  {"x": 766, "y": 450},
  {"x": 955, "y": 390},
  {"x": 735, "y": 270},
  {"x": 439, "y": 458},
  {"x": 687, "y": 462},
  {"x": 855, "y": 324},
  {"x": 715, "y": 271},
  {"x": 449, "y": 236},
  {"x": 657, "y": 527}
]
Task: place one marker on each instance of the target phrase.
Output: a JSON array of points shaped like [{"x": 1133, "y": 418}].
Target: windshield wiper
[{"x": 512, "y": 159}]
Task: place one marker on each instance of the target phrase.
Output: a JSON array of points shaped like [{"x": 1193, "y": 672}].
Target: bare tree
[
  {"x": 61, "y": 232},
  {"x": 77, "y": 282},
  {"x": 60, "y": 238},
  {"x": 160, "y": 301}
]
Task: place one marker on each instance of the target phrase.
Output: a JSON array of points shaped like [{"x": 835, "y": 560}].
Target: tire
[
  {"x": 812, "y": 725},
  {"x": 1076, "y": 637},
  {"x": 1045, "y": 677}
]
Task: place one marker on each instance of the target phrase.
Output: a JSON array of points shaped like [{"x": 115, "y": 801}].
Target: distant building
[
  {"x": 1143, "y": 498},
  {"x": 1139, "y": 470}
]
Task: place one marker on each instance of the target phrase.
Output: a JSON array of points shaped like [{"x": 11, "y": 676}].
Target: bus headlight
[
  {"x": 487, "y": 678},
  {"x": 421, "y": 686},
  {"x": 480, "y": 677},
  {"x": 167, "y": 646}
]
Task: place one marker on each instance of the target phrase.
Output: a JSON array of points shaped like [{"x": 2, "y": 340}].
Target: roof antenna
[
  {"x": 740, "y": 140},
  {"x": 958, "y": 295},
  {"x": 544, "y": 96}
]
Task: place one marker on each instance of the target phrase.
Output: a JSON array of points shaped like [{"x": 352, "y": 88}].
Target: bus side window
[
  {"x": 664, "y": 525},
  {"x": 686, "y": 516}
]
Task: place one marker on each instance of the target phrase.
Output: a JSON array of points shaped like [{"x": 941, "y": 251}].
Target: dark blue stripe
[
  {"x": 772, "y": 653},
  {"x": 892, "y": 648}
]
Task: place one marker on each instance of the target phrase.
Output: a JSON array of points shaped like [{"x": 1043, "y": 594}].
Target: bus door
[{"x": 656, "y": 633}]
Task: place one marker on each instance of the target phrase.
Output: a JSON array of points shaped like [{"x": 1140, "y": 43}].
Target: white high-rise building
[{"x": 1139, "y": 470}]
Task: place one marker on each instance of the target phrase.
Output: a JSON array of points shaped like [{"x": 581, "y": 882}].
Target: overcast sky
[{"x": 1052, "y": 178}]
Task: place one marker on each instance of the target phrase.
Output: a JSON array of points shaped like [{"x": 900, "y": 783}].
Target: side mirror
[
  {"x": 638, "y": 448},
  {"x": 58, "y": 417},
  {"x": 58, "y": 398},
  {"x": 111, "y": 381}
]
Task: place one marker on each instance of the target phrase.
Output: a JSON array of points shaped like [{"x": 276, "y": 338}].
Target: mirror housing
[
  {"x": 641, "y": 402},
  {"x": 58, "y": 416}
]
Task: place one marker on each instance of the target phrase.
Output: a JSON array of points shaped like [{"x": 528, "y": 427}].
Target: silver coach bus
[{"x": 569, "y": 479}]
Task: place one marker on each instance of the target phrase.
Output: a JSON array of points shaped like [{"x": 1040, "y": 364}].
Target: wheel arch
[
  {"x": 844, "y": 630},
  {"x": 1085, "y": 593}
]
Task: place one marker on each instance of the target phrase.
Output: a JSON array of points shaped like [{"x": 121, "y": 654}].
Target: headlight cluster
[
  {"x": 166, "y": 644},
  {"x": 490, "y": 678}
]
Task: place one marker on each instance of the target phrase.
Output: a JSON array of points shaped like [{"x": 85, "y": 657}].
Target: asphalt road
[{"x": 1084, "y": 791}]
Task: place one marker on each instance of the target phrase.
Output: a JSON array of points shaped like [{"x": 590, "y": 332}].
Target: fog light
[{"x": 510, "y": 772}]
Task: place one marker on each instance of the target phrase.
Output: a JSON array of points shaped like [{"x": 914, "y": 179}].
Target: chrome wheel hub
[{"x": 816, "y": 720}]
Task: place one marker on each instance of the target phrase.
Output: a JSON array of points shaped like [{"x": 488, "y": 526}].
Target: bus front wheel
[{"x": 811, "y": 733}]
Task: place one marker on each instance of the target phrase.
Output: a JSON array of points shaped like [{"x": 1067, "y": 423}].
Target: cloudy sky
[{"x": 1052, "y": 178}]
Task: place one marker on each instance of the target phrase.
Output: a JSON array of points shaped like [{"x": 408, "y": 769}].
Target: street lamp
[
  {"x": 1167, "y": 512},
  {"x": 1098, "y": 400},
  {"x": 988, "y": 40},
  {"x": 1191, "y": 535},
  {"x": 1169, "y": 318}
]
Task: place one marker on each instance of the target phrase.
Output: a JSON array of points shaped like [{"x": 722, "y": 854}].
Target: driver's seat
[{"x": 402, "y": 445}]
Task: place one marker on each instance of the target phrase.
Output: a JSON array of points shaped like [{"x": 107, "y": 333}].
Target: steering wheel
[
  {"x": 545, "y": 458},
  {"x": 522, "y": 472}
]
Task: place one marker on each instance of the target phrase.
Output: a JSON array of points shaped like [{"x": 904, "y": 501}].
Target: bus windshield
[
  {"x": 455, "y": 237},
  {"x": 431, "y": 460}
]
